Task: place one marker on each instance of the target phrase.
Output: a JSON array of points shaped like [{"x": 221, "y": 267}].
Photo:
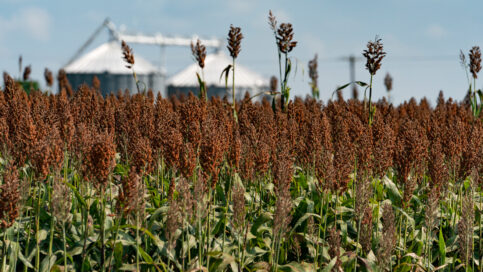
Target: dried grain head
[
  {"x": 475, "y": 61},
  {"x": 388, "y": 82},
  {"x": 96, "y": 83},
  {"x": 26, "y": 73},
  {"x": 187, "y": 160},
  {"x": 128, "y": 54},
  {"x": 9, "y": 196},
  {"x": 366, "y": 230},
  {"x": 199, "y": 53},
  {"x": 285, "y": 38},
  {"x": 61, "y": 200},
  {"x": 313, "y": 74},
  {"x": 465, "y": 229},
  {"x": 282, "y": 216},
  {"x": 272, "y": 21},
  {"x": 374, "y": 55},
  {"x": 64, "y": 83},
  {"x": 335, "y": 245},
  {"x": 238, "y": 207},
  {"x": 384, "y": 140},
  {"x": 101, "y": 159},
  {"x": 131, "y": 199},
  {"x": 49, "y": 77},
  {"x": 273, "y": 84},
  {"x": 388, "y": 240},
  {"x": 234, "y": 40}
]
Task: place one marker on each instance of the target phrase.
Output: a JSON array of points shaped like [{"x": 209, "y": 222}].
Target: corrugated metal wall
[{"x": 111, "y": 83}]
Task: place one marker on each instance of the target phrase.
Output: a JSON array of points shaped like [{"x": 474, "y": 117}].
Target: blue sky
[{"x": 422, "y": 38}]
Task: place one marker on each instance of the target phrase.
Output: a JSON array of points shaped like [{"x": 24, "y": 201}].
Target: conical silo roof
[
  {"x": 108, "y": 58},
  {"x": 214, "y": 65}
]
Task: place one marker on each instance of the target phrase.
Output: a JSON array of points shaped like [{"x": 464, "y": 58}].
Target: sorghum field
[{"x": 144, "y": 183}]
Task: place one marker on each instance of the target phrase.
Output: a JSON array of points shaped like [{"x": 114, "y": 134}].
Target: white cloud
[
  {"x": 33, "y": 21},
  {"x": 436, "y": 31}
]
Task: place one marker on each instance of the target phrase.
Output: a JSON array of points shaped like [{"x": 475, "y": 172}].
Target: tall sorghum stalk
[
  {"x": 199, "y": 53},
  {"x": 285, "y": 44},
  {"x": 313, "y": 74},
  {"x": 475, "y": 67},
  {"x": 374, "y": 55},
  {"x": 37, "y": 228},
  {"x": 4, "y": 250},
  {"x": 129, "y": 59},
  {"x": 388, "y": 84},
  {"x": 272, "y": 21},
  {"x": 137, "y": 241},
  {"x": 234, "y": 40}
]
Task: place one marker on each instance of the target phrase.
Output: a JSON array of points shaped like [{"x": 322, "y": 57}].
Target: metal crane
[{"x": 157, "y": 39}]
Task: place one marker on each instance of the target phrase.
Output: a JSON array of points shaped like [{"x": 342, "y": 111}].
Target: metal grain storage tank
[
  {"x": 106, "y": 62},
  {"x": 245, "y": 79}
]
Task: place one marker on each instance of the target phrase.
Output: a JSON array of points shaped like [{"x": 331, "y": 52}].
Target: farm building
[
  {"x": 245, "y": 80},
  {"x": 107, "y": 64}
]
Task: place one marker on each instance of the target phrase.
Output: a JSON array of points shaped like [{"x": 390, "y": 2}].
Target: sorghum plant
[
  {"x": 234, "y": 40},
  {"x": 285, "y": 44},
  {"x": 199, "y": 53},
  {"x": 374, "y": 55}
]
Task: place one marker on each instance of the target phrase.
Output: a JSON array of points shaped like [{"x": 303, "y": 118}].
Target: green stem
[
  {"x": 65, "y": 248},
  {"x": 137, "y": 241},
  {"x": 37, "y": 230},
  {"x": 103, "y": 218},
  {"x": 233, "y": 94},
  {"x": 28, "y": 241},
  {"x": 4, "y": 250},
  {"x": 115, "y": 240},
  {"x": 52, "y": 226},
  {"x": 370, "y": 102}
]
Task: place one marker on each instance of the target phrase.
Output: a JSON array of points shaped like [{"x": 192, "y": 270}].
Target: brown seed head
[
  {"x": 234, "y": 40},
  {"x": 374, "y": 55},
  {"x": 64, "y": 83},
  {"x": 475, "y": 61},
  {"x": 272, "y": 21},
  {"x": 238, "y": 207},
  {"x": 128, "y": 55},
  {"x": 388, "y": 240},
  {"x": 27, "y": 72},
  {"x": 101, "y": 159},
  {"x": 273, "y": 84},
  {"x": 313, "y": 74},
  {"x": 465, "y": 229},
  {"x": 49, "y": 78},
  {"x": 61, "y": 200},
  {"x": 285, "y": 37},
  {"x": 96, "y": 83},
  {"x": 199, "y": 53},
  {"x": 131, "y": 197},
  {"x": 9, "y": 196},
  {"x": 388, "y": 82}
]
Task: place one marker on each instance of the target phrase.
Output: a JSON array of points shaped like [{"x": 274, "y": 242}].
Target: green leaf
[
  {"x": 360, "y": 83},
  {"x": 263, "y": 218},
  {"x": 342, "y": 87},
  {"x": 118, "y": 248},
  {"x": 442, "y": 248},
  {"x": 296, "y": 267},
  {"x": 47, "y": 263},
  {"x": 330, "y": 265},
  {"x": 76, "y": 193},
  {"x": 202, "y": 86},
  {"x": 226, "y": 72},
  {"x": 392, "y": 190}
]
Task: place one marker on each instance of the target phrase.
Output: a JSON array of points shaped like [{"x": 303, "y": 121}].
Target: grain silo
[
  {"x": 107, "y": 64},
  {"x": 106, "y": 61},
  {"x": 245, "y": 80}
]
